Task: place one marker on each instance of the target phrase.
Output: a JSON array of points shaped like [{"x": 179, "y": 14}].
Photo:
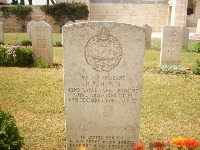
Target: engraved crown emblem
[
  {"x": 103, "y": 34},
  {"x": 103, "y": 52}
]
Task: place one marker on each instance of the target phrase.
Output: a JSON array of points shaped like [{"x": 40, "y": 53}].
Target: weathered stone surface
[
  {"x": 29, "y": 26},
  {"x": 42, "y": 42},
  {"x": 103, "y": 69},
  {"x": 171, "y": 45},
  {"x": 186, "y": 33},
  {"x": 1, "y": 32},
  {"x": 148, "y": 32}
]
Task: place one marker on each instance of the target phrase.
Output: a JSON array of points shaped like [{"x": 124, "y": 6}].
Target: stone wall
[
  {"x": 154, "y": 15},
  {"x": 12, "y": 25}
]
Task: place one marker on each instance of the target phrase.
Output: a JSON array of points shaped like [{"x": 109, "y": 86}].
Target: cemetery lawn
[{"x": 170, "y": 104}]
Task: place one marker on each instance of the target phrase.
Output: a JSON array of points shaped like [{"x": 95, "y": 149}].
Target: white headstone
[
  {"x": 198, "y": 26},
  {"x": 1, "y": 32},
  {"x": 103, "y": 69},
  {"x": 42, "y": 42},
  {"x": 186, "y": 33},
  {"x": 171, "y": 45},
  {"x": 29, "y": 27},
  {"x": 148, "y": 32}
]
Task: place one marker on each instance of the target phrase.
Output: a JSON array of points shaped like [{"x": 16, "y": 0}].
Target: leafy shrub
[
  {"x": 58, "y": 44},
  {"x": 197, "y": 47},
  {"x": 10, "y": 138},
  {"x": 196, "y": 70},
  {"x": 172, "y": 69},
  {"x": 26, "y": 43},
  {"x": 16, "y": 56},
  {"x": 64, "y": 12}
]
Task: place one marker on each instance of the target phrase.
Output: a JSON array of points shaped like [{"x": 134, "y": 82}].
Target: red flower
[
  {"x": 159, "y": 145},
  {"x": 138, "y": 146},
  {"x": 190, "y": 144}
]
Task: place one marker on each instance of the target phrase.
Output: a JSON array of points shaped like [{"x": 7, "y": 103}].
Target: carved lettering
[{"x": 101, "y": 142}]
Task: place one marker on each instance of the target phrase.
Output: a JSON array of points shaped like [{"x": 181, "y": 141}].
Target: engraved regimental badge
[{"x": 103, "y": 52}]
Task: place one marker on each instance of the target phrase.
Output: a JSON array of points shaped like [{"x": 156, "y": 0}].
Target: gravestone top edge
[
  {"x": 41, "y": 23},
  {"x": 103, "y": 22}
]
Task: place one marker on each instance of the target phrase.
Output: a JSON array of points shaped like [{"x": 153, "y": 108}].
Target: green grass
[
  {"x": 170, "y": 104},
  {"x": 13, "y": 38}
]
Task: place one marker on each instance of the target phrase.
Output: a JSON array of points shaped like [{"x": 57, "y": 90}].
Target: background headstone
[
  {"x": 29, "y": 26},
  {"x": 186, "y": 33},
  {"x": 171, "y": 45},
  {"x": 42, "y": 42},
  {"x": 148, "y": 32},
  {"x": 198, "y": 26},
  {"x": 1, "y": 32},
  {"x": 103, "y": 69}
]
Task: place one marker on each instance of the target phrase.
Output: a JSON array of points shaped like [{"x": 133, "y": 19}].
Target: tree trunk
[
  {"x": 14, "y": 2},
  {"x": 52, "y": 1},
  {"x": 22, "y": 2},
  {"x": 30, "y": 2},
  {"x": 47, "y": 2}
]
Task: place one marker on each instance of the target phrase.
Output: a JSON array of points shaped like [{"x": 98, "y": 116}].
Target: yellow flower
[{"x": 178, "y": 142}]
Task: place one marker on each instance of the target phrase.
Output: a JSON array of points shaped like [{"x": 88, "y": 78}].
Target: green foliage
[
  {"x": 172, "y": 69},
  {"x": 58, "y": 44},
  {"x": 26, "y": 43},
  {"x": 16, "y": 56},
  {"x": 197, "y": 47},
  {"x": 39, "y": 63},
  {"x": 64, "y": 12},
  {"x": 10, "y": 138},
  {"x": 6, "y": 11},
  {"x": 21, "y": 13},
  {"x": 196, "y": 69}
]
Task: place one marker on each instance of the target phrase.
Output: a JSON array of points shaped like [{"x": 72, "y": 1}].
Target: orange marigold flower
[
  {"x": 178, "y": 141},
  {"x": 138, "y": 146},
  {"x": 159, "y": 145},
  {"x": 190, "y": 144}
]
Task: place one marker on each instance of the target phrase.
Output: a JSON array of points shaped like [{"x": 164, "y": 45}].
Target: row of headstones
[{"x": 174, "y": 40}]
